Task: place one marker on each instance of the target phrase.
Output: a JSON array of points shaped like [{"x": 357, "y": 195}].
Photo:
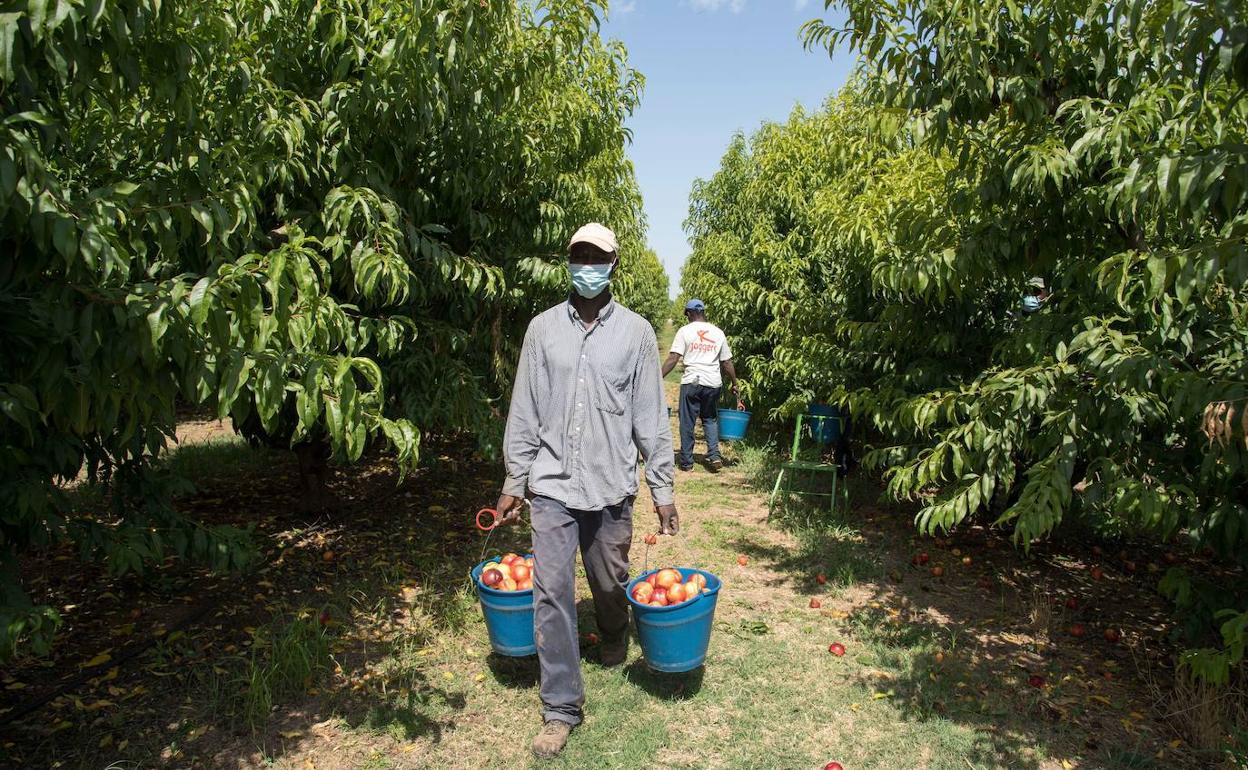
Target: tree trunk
[{"x": 313, "y": 457}]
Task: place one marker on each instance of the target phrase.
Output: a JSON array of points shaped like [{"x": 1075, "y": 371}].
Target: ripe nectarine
[{"x": 667, "y": 578}]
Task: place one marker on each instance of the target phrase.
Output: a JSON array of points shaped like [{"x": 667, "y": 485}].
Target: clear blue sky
[{"x": 712, "y": 68}]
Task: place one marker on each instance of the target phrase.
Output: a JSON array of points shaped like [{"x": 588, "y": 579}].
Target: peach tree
[
  {"x": 325, "y": 220},
  {"x": 876, "y": 254}
]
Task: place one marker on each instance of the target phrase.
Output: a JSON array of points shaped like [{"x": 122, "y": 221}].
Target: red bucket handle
[{"x": 493, "y": 522}]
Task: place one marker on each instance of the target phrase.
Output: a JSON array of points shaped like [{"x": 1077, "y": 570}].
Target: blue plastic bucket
[
  {"x": 675, "y": 638},
  {"x": 826, "y": 431},
  {"x": 732, "y": 424},
  {"x": 508, "y": 616}
]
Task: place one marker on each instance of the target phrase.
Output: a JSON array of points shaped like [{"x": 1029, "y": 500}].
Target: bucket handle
[
  {"x": 487, "y": 527},
  {"x": 493, "y": 522}
]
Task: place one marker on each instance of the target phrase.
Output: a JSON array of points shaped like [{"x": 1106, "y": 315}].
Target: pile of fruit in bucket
[
  {"x": 664, "y": 588},
  {"x": 510, "y": 572}
]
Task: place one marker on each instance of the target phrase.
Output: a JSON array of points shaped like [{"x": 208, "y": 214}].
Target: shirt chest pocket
[{"x": 612, "y": 386}]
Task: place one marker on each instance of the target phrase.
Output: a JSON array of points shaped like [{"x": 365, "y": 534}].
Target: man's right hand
[
  {"x": 508, "y": 508},
  {"x": 669, "y": 521}
]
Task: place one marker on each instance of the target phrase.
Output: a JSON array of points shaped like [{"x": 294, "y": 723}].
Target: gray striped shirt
[{"x": 585, "y": 401}]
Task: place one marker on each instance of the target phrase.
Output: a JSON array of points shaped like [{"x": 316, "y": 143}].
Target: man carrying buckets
[
  {"x": 587, "y": 398},
  {"x": 703, "y": 348}
]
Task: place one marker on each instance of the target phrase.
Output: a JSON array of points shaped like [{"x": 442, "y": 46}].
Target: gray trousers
[{"x": 604, "y": 537}]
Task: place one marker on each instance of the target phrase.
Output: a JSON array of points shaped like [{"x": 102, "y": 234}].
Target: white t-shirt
[{"x": 701, "y": 346}]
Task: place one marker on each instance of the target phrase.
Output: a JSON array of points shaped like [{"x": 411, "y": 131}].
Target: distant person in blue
[
  {"x": 1035, "y": 297},
  {"x": 702, "y": 348}
]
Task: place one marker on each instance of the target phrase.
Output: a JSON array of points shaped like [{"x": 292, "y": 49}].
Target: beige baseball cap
[{"x": 595, "y": 235}]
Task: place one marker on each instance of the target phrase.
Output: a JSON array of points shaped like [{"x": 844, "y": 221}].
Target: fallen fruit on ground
[
  {"x": 1097, "y": 573},
  {"x": 327, "y": 556},
  {"x": 833, "y": 766},
  {"x": 837, "y": 649},
  {"x": 742, "y": 560},
  {"x": 924, "y": 558},
  {"x": 939, "y": 657},
  {"x": 1112, "y": 635},
  {"x": 821, "y": 578},
  {"x": 1035, "y": 680},
  {"x": 938, "y": 571},
  {"x": 1077, "y": 630},
  {"x": 1072, "y": 603},
  {"x": 815, "y": 603},
  {"x": 966, "y": 561},
  {"x": 652, "y": 538},
  {"x": 591, "y": 638}
]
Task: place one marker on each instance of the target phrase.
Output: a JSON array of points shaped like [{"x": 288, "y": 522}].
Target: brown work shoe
[
  {"x": 613, "y": 652},
  {"x": 549, "y": 742}
]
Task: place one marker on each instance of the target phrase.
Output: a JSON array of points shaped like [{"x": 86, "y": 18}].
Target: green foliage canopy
[
  {"x": 642, "y": 285},
  {"x": 328, "y": 215},
  {"x": 881, "y": 248}
]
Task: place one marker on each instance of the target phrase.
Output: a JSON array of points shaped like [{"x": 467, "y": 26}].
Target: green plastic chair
[{"x": 795, "y": 464}]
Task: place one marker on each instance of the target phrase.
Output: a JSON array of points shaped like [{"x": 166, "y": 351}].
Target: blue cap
[{"x": 695, "y": 304}]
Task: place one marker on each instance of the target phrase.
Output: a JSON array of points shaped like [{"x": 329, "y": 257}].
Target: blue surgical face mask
[
  {"x": 1031, "y": 303},
  {"x": 590, "y": 280}
]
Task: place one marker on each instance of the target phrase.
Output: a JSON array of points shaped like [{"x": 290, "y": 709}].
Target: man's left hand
[{"x": 669, "y": 521}]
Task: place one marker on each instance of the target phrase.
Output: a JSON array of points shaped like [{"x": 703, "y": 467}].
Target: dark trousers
[
  {"x": 698, "y": 401},
  {"x": 604, "y": 537}
]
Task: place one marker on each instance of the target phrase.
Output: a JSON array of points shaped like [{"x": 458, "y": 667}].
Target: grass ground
[{"x": 358, "y": 643}]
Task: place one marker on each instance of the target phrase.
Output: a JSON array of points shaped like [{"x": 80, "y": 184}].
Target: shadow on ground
[{"x": 981, "y": 635}]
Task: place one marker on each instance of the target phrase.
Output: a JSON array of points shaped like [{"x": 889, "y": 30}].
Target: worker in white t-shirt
[{"x": 703, "y": 349}]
